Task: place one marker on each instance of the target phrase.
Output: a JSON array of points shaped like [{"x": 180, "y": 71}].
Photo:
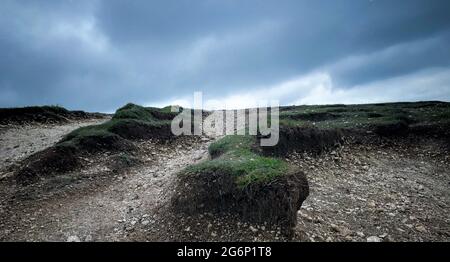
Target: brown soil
[
  {"x": 274, "y": 203},
  {"x": 304, "y": 139}
]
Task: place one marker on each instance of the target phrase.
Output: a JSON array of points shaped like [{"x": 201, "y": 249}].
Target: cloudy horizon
[{"x": 98, "y": 55}]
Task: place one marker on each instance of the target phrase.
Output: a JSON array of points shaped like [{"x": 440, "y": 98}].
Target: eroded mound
[
  {"x": 304, "y": 139},
  {"x": 274, "y": 202},
  {"x": 240, "y": 181},
  {"x": 400, "y": 128},
  {"x": 46, "y": 162}
]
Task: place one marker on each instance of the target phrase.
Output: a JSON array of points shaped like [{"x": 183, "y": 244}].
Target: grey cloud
[
  {"x": 97, "y": 55},
  {"x": 400, "y": 59}
]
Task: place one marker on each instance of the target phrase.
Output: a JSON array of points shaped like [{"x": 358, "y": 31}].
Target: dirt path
[
  {"x": 106, "y": 205},
  {"x": 126, "y": 206}
]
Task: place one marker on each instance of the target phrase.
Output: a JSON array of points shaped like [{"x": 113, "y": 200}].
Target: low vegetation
[
  {"x": 238, "y": 156},
  {"x": 368, "y": 116},
  {"x": 41, "y": 114}
]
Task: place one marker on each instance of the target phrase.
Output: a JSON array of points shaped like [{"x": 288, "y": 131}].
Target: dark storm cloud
[{"x": 97, "y": 55}]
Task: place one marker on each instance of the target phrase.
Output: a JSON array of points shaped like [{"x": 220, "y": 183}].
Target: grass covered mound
[
  {"x": 41, "y": 114},
  {"x": 239, "y": 180},
  {"x": 128, "y": 123}
]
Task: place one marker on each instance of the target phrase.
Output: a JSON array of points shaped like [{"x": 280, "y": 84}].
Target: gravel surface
[
  {"x": 104, "y": 204},
  {"x": 374, "y": 192}
]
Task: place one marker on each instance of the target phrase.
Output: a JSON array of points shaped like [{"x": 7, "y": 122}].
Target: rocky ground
[
  {"x": 391, "y": 192},
  {"x": 381, "y": 192},
  {"x": 105, "y": 201},
  {"x": 394, "y": 191}
]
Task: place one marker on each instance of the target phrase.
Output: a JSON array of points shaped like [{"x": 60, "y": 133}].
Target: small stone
[
  {"x": 400, "y": 230},
  {"x": 318, "y": 220},
  {"x": 305, "y": 216},
  {"x": 383, "y": 235},
  {"x": 145, "y": 222},
  {"x": 213, "y": 234},
  {"x": 335, "y": 228},
  {"x": 374, "y": 239},
  {"x": 421, "y": 229},
  {"x": 346, "y": 232},
  {"x": 73, "y": 239},
  {"x": 371, "y": 204},
  {"x": 390, "y": 238},
  {"x": 254, "y": 230}
]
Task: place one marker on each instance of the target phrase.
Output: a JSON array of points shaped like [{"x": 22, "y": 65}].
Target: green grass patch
[
  {"x": 132, "y": 111},
  {"x": 148, "y": 114},
  {"x": 367, "y": 115},
  {"x": 237, "y": 156},
  {"x": 235, "y": 143}
]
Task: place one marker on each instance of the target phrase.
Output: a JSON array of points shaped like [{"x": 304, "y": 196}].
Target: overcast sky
[{"x": 99, "y": 55}]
